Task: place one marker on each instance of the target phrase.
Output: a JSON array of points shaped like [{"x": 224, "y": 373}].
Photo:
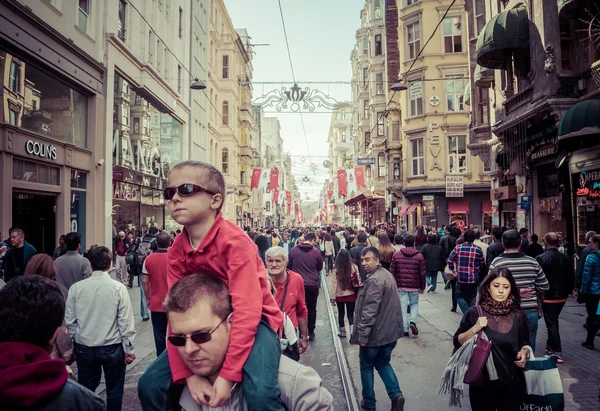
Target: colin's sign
[{"x": 40, "y": 149}]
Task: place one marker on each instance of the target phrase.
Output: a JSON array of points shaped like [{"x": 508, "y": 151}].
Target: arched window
[
  {"x": 225, "y": 160},
  {"x": 225, "y": 113}
]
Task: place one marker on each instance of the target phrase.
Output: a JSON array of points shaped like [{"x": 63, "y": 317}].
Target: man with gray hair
[
  {"x": 290, "y": 296},
  {"x": 121, "y": 246}
]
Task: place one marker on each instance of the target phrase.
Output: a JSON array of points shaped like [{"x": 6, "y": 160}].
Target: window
[
  {"x": 268, "y": 206},
  {"x": 380, "y": 122},
  {"x": 415, "y": 96},
  {"x": 179, "y": 87},
  {"x": 452, "y": 35},
  {"x": 115, "y": 114},
  {"x": 180, "y": 22},
  {"x": 411, "y": 2},
  {"x": 483, "y": 116},
  {"x": 368, "y": 171},
  {"x": 478, "y": 16},
  {"x": 14, "y": 83},
  {"x": 344, "y": 136},
  {"x": 379, "y": 84},
  {"x": 413, "y": 39},
  {"x": 381, "y": 164},
  {"x": 125, "y": 115},
  {"x": 455, "y": 90},
  {"x": 136, "y": 125},
  {"x": 365, "y": 76},
  {"x": 167, "y": 55},
  {"x": 343, "y": 115},
  {"x": 159, "y": 50},
  {"x": 13, "y": 119},
  {"x": 566, "y": 42},
  {"x": 226, "y": 66},
  {"x": 367, "y": 138},
  {"x": 151, "y": 47},
  {"x": 397, "y": 169},
  {"x": 83, "y": 14},
  {"x": 417, "y": 157},
  {"x": 121, "y": 23},
  {"x": 378, "y": 47},
  {"x": 225, "y": 113},
  {"x": 377, "y": 8},
  {"x": 457, "y": 154},
  {"x": 366, "y": 47},
  {"x": 366, "y": 109},
  {"x": 225, "y": 160}
]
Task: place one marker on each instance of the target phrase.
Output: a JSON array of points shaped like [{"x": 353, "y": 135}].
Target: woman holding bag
[
  {"x": 342, "y": 292},
  {"x": 506, "y": 327}
]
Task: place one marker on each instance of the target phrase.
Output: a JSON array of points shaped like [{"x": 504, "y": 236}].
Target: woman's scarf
[{"x": 497, "y": 307}]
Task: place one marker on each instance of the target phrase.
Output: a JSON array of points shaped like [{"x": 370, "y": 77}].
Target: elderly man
[
  {"x": 121, "y": 247},
  {"x": 200, "y": 316},
  {"x": 290, "y": 291}
]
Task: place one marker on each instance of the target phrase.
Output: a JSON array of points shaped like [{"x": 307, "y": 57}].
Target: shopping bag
[
  {"x": 544, "y": 386},
  {"x": 479, "y": 357}
]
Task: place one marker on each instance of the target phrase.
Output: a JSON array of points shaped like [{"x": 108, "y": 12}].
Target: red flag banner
[
  {"x": 342, "y": 183},
  {"x": 360, "y": 177},
  {"x": 274, "y": 179},
  {"x": 288, "y": 200},
  {"x": 255, "y": 178},
  {"x": 296, "y": 211},
  {"x": 330, "y": 190},
  {"x": 276, "y": 195}
]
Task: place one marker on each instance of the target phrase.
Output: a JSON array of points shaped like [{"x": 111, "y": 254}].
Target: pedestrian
[
  {"x": 467, "y": 261},
  {"x": 337, "y": 245},
  {"x": 582, "y": 257},
  {"x": 263, "y": 245},
  {"x": 561, "y": 277},
  {"x": 534, "y": 248},
  {"x": 524, "y": 232},
  {"x": 398, "y": 242},
  {"x": 285, "y": 242},
  {"x": 484, "y": 247},
  {"x": 373, "y": 240},
  {"x": 355, "y": 253},
  {"x": 435, "y": 261},
  {"x": 195, "y": 194},
  {"x": 57, "y": 250},
  {"x": 144, "y": 247},
  {"x": 529, "y": 276},
  {"x": 420, "y": 238},
  {"x": 590, "y": 291},
  {"x": 448, "y": 242},
  {"x": 30, "y": 378},
  {"x": 154, "y": 285},
  {"x": 506, "y": 327},
  {"x": 329, "y": 250},
  {"x": 72, "y": 266},
  {"x": 306, "y": 260},
  {"x": 342, "y": 292},
  {"x": 121, "y": 247},
  {"x": 350, "y": 238},
  {"x": 289, "y": 295},
  {"x": 100, "y": 322},
  {"x": 18, "y": 255},
  {"x": 377, "y": 328},
  {"x": 409, "y": 269},
  {"x": 496, "y": 248},
  {"x": 203, "y": 302},
  {"x": 275, "y": 240},
  {"x": 386, "y": 250}
]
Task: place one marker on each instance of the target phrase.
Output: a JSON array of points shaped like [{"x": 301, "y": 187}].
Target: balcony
[
  {"x": 246, "y": 151},
  {"x": 518, "y": 100},
  {"x": 341, "y": 146}
]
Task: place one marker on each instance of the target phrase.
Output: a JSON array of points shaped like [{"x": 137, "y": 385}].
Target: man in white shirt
[{"x": 99, "y": 319}]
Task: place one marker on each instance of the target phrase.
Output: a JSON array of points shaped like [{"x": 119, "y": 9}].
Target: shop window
[
  {"x": 78, "y": 179},
  {"x": 225, "y": 66},
  {"x": 417, "y": 157},
  {"x": 455, "y": 90},
  {"x": 413, "y": 40},
  {"x": 122, "y": 22},
  {"x": 381, "y": 165},
  {"x": 457, "y": 155},
  {"x": 378, "y": 45},
  {"x": 225, "y": 160},
  {"x": 83, "y": 14},
  {"x": 14, "y": 82},
  {"x": 452, "y": 35},
  {"x": 379, "y": 84},
  {"x": 225, "y": 113},
  {"x": 33, "y": 172},
  {"x": 415, "y": 98}
]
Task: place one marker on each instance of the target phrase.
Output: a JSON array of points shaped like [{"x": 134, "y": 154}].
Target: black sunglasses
[
  {"x": 199, "y": 338},
  {"x": 185, "y": 190}
]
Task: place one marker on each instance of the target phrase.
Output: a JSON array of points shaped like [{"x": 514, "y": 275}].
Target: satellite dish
[{"x": 326, "y": 163}]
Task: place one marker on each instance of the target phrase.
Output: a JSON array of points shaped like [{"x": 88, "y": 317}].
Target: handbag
[
  {"x": 479, "y": 357},
  {"x": 356, "y": 281},
  {"x": 544, "y": 386},
  {"x": 449, "y": 274}
]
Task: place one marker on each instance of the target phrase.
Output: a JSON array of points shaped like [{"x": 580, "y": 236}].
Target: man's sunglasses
[
  {"x": 199, "y": 338},
  {"x": 185, "y": 190}
]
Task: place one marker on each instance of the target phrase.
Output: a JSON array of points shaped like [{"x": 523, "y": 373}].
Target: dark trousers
[
  {"x": 551, "y": 313},
  {"x": 90, "y": 363},
  {"x": 159, "y": 326},
  {"x": 311, "y": 296},
  {"x": 592, "y": 321},
  {"x": 466, "y": 294},
  {"x": 453, "y": 285},
  {"x": 497, "y": 396},
  {"x": 341, "y": 312}
]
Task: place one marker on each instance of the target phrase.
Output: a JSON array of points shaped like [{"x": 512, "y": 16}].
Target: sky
[{"x": 321, "y": 35}]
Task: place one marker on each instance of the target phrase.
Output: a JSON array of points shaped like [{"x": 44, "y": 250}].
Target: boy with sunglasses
[{"x": 212, "y": 245}]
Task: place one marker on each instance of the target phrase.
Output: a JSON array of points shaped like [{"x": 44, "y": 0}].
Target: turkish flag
[
  {"x": 342, "y": 183},
  {"x": 274, "y": 178},
  {"x": 255, "y": 178},
  {"x": 330, "y": 190},
  {"x": 276, "y": 195},
  {"x": 360, "y": 177},
  {"x": 288, "y": 199}
]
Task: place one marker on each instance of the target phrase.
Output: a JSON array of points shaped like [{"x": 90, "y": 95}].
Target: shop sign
[
  {"x": 526, "y": 203},
  {"x": 455, "y": 186},
  {"x": 40, "y": 149},
  {"x": 125, "y": 191},
  {"x": 542, "y": 152},
  {"x": 365, "y": 161},
  {"x": 503, "y": 193},
  {"x": 589, "y": 184},
  {"x": 428, "y": 198},
  {"x": 416, "y": 90}
]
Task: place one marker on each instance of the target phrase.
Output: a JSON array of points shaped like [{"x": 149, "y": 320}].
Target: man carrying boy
[{"x": 215, "y": 246}]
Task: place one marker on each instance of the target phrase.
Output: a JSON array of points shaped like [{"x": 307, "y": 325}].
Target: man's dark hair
[
  {"x": 511, "y": 239},
  {"x": 72, "y": 241},
  {"x": 455, "y": 231},
  {"x": 497, "y": 233},
  {"x": 372, "y": 231},
  {"x": 477, "y": 234},
  {"x": 469, "y": 236},
  {"x": 32, "y": 308},
  {"x": 328, "y": 229},
  {"x": 398, "y": 239},
  {"x": 431, "y": 238},
  {"x": 153, "y": 230},
  {"x": 100, "y": 258},
  {"x": 371, "y": 250},
  {"x": 523, "y": 230},
  {"x": 163, "y": 240},
  {"x": 534, "y": 238},
  {"x": 409, "y": 241},
  {"x": 310, "y": 236},
  {"x": 187, "y": 291},
  {"x": 361, "y": 238}
]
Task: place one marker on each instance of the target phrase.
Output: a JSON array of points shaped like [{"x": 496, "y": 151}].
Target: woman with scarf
[{"x": 506, "y": 327}]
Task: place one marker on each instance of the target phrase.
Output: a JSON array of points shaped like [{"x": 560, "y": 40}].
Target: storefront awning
[
  {"x": 483, "y": 77},
  {"x": 505, "y": 31},
  {"x": 404, "y": 209},
  {"x": 362, "y": 198},
  {"x": 562, "y": 4},
  {"x": 458, "y": 206},
  {"x": 486, "y": 207},
  {"x": 581, "y": 120},
  {"x": 412, "y": 208}
]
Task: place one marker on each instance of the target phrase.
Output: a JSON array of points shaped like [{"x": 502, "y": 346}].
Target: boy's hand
[
  {"x": 200, "y": 388},
  {"x": 221, "y": 391}
]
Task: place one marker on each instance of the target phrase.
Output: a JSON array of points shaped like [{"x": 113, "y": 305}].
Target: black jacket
[
  {"x": 559, "y": 272},
  {"x": 355, "y": 254},
  {"x": 493, "y": 251},
  {"x": 435, "y": 258},
  {"x": 73, "y": 397},
  {"x": 448, "y": 242},
  {"x": 534, "y": 249},
  {"x": 336, "y": 243}
]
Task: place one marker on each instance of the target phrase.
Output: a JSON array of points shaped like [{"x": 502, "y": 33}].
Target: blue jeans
[
  {"x": 110, "y": 358},
  {"x": 532, "y": 319},
  {"x": 144, "y": 312},
  {"x": 159, "y": 327},
  {"x": 466, "y": 294},
  {"x": 431, "y": 278},
  {"x": 378, "y": 358},
  {"x": 260, "y": 373},
  {"x": 407, "y": 297}
]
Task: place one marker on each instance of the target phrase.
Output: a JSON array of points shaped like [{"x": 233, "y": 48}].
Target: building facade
[
  {"x": 52, "y": 153},
  {"x": 341, "y": 156}
]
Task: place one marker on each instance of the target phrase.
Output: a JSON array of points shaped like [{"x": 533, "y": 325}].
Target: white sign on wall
[{"x": 455, "y": 186}]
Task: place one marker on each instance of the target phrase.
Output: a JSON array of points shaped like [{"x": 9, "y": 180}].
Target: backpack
[{"x": 144, "y": 249}]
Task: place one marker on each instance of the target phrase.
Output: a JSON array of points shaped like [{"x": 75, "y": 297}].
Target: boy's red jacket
[{"x": 230, "y": 255}]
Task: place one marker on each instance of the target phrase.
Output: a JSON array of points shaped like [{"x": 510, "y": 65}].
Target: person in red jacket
[
  {"x": 212, "y": 245},
  {"x": 409, "y": 269}
]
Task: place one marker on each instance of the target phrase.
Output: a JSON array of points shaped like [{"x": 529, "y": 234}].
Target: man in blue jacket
[{"x": 18, "y": 255}]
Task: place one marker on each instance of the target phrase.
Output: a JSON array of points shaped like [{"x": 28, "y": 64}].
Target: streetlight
[
  {"x": 399, "y": 86},
  {"x": 198, "y": 85}
]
